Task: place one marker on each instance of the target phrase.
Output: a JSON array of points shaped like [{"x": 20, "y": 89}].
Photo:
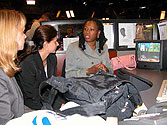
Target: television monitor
[{"x": 151, "y": 54}]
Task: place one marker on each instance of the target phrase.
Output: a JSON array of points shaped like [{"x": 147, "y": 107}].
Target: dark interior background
[
  {"x": 113, "y": 9},
  {"x": 83, "y": 9}
]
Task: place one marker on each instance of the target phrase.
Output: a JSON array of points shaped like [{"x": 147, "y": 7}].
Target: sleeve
[
  {"x": 27, "y": 77},
  {"x": 6, "y": 113},
  {"x": 52, "y": 65},
  {"x": 55, "y": 66},
  {"x": 72, "y": 70},
  {"x": 108, "y": 62}
]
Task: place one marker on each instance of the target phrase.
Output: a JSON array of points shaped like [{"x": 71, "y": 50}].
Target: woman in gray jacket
[
  {"x": 12, "y": 38},
  {"x": 90, "y": 54}
]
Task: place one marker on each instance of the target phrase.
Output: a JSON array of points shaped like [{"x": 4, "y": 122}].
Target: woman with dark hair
[
  {"x": 90, "y": 54},
  {"x": 39, "y": 65}
]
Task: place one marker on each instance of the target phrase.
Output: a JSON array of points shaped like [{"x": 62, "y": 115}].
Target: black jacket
[
  {"x": 32, "y": 74},
  {"x": 102, "y": 94}
]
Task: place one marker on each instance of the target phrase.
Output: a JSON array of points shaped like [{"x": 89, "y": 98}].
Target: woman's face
[
  {"x": 52, "y": 45},
  {"x": 91, "y": 32},
  {"x": 21, "y": 39}
]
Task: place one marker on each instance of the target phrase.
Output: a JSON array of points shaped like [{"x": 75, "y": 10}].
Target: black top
[{"x": 32, "y": 75}]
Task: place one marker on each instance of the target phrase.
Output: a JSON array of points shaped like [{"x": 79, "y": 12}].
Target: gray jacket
[
  {"x": 77, "y": 60},
  {"x": 11, "y": 98}
]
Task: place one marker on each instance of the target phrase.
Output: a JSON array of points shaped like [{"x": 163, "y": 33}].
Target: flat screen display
[
  {"x": 148, "y": 52},
  {"x": 68, "y": 31}
]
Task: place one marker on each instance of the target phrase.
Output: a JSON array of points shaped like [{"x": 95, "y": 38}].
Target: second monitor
[{"x": 151, "y": 54}]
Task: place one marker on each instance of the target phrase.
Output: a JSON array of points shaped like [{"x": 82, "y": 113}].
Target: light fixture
[
  {"x": 105, "y": 18},
  {"x": 30, "y": 2},
  {"x": 162, "y": 16},
  {"x": 93, "y": 14},
  {"x": 110, "y": 3},
  {"x": 143, "y": 7},
  {"x": 84, "y": 3},
  {"x": 70, "y": 13},
  {"x": 58, "y": 14}
]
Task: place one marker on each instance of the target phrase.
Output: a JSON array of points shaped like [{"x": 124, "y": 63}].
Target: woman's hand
[
  {"x": 94, "y": 69},
  {"x": 102, "y": 67}
]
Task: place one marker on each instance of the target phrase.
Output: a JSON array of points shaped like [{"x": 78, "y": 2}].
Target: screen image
[
  {"x": 148, "y": 52},
  {"x": 67, "y": 34},
  {"x": 109, "y": 34},
  {"x": 126, "y": 34},
  {"x": 68, "y": 31}
]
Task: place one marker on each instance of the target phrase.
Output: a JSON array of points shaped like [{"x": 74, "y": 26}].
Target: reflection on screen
[
  {"x": 148, "y": 52},
  {"x": 68, "y": 41},
  {"x": 68, "y": 33}
]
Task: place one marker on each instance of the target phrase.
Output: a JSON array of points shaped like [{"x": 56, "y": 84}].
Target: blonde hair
[{"x": 11, "y": 22}]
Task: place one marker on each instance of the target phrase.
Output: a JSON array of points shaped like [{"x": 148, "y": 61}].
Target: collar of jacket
[{"x": 91, "y": 52}]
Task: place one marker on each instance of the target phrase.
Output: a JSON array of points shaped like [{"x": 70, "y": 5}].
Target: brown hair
[{"x": 42, "y": 33}]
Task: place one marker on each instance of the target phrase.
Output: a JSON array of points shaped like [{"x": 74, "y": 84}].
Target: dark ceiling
[{"x": 113, "y": 9}]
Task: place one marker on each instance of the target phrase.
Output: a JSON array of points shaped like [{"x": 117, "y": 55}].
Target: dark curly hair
[{"x": 102, "y": 39}]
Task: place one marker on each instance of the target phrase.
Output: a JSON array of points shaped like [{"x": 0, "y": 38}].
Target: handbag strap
[
  {"x": 126, "y": 67},
  {"x": 130, "y": 68}
]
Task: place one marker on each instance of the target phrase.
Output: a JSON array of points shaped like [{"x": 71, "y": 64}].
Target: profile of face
[
  {"x": 21, "y": 39},
  {"x": 52, "y": 45},
  {"x": 91, "y": 31},
  {"x": 122, "y": 31}
]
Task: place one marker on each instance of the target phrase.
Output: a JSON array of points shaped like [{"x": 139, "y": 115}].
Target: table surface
[{"x": 156, "y": 78}]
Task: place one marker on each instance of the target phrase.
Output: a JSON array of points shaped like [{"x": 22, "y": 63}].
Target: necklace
[{"x": 44, "y": 63}]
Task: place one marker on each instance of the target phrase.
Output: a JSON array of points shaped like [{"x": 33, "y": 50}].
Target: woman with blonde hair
[{"x": 12, "y": 38}]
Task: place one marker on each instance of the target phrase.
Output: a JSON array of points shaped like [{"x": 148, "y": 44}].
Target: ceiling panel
[{"x": 83, "y": 9}]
